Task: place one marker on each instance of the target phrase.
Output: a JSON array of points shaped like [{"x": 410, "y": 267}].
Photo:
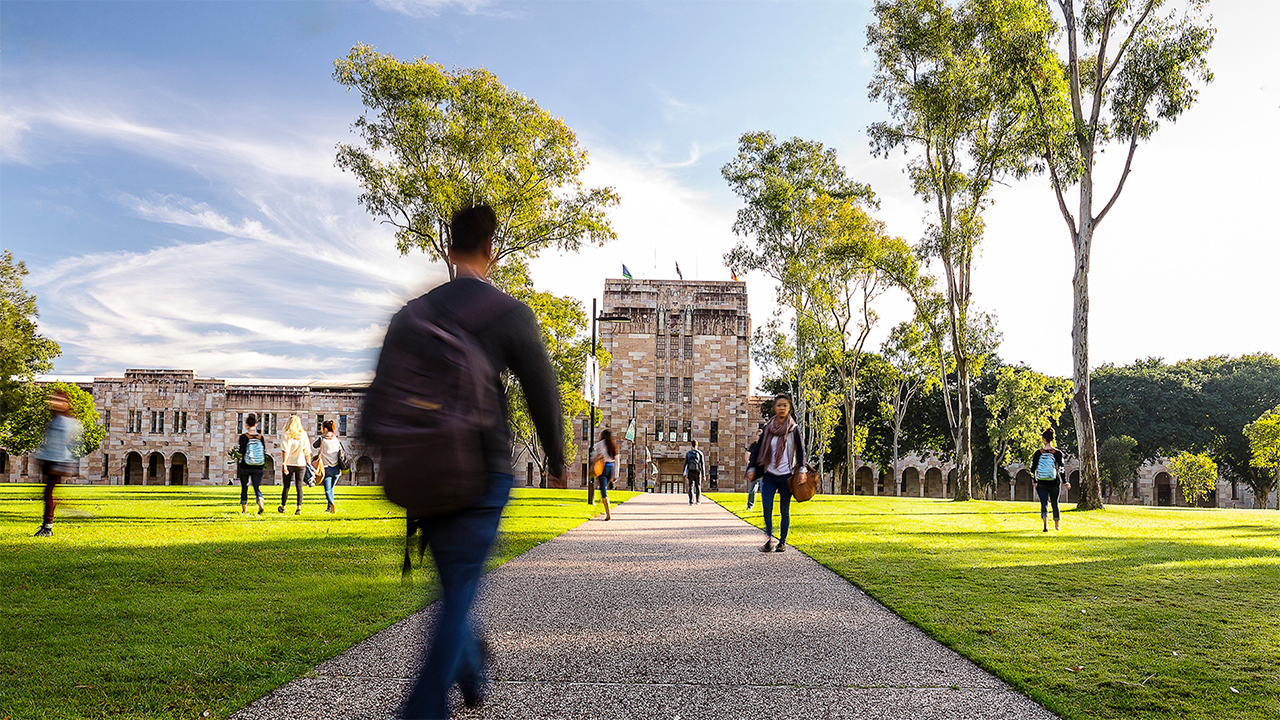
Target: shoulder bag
[{"x": 803, "y": 482}]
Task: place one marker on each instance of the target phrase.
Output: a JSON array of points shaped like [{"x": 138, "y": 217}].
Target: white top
[
  {"x": 601, "y": 451},
  {"x": 297, "y": 450},
  {"x": 329, "y": 451},
  {"x": 781, "y": 462}
]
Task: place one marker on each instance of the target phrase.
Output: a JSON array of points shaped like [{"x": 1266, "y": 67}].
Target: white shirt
[
  {"x": 782, "y": 451},
  {"x": 297, "y": 451},
  {"x": 602, "y": 451}
]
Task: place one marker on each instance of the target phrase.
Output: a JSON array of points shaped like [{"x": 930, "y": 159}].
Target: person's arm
[
  {"x": 1035, "y": 463},
  {"x": 1062, "y": 466},
  {"x": 527, "y": 358},
  {"x": 802, "y": 457}
]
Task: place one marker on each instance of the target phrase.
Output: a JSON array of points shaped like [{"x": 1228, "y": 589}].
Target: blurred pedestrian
[
  {"x": 695, "y": 466},
  {"x": 474, "y": 314},
  {"x": 753, "y": 480},
  {"x": 607, "y": 451},
  {"x": 58, "y": 453},
  {"x": 778, "y": 453},
  {"x": 296, "y": 457},
  {"x": 329, "y": 461},
  {"x": 1050, "y": 466},
  {"x": 253, "y": 457}
]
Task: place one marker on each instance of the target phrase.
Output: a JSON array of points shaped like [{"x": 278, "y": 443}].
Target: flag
[
  {"x": 591, "y": 381},
  {"x": 625, "y": 272},
  {"x": 734, "y": 275},
  {"x": 631, "y": 431},
  {"x": 680, "y": 274}
]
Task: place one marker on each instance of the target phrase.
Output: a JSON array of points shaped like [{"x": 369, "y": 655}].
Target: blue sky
[{"x": 166, "y": 171}]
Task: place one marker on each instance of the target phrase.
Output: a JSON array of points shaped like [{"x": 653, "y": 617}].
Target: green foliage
[
  {"x": 1264, "y": 446},
  {"x": 1023, "y": 405},
  {"x": 23, "y": 429},
  {"x": 1118, "y": 463},
  {"x": 1197, "y": 475},
  {"x": 24, "y": 353},
  {"x": 1160, "y": 615},
  {"x": 166, "y": 602},
  {"x": 436, "y": 140}
]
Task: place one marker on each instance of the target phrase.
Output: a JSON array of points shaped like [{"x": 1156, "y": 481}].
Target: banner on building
[
  {"x": 631, "y": 431},
  {"x": 591, "y": 381}
]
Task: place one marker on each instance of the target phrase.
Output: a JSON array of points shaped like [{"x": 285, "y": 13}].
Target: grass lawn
[
  {"x": 1130, "y": 612},
  {"x": 166, "y": 602}
]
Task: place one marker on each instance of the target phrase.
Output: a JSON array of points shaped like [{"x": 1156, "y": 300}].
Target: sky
[{"x": 167, "y": 174}]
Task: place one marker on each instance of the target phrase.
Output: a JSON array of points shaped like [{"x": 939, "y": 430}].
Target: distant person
[
  {"x": 57, "y": 453},
  {"x": 331, "y": 453},
  {"x": 460, "y": 540},
  {"x": 296, "y": 453},
  {"x": 753, "y": 480},
  {"x": 779, "y": 451},
  {"x": 1049, "y": 466},
  {"x": 253, "y": 458},
  {"x": 695, "y": 466},
  {"x": 606, "y": 450}
]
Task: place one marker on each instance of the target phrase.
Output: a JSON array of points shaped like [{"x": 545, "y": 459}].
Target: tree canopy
[
  {"x": 1023, "y": 405},
  {"x": 436, "y": 140},
  {"x": 24, "y": 352},
  {"x": 23, "y": 429}
]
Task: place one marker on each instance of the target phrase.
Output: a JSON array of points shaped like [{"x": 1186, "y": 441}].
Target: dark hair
[
  {"x": 784, "y": 396},
  {"x": 470, "y": 228},
  {"x": 609, "y": 444},
  {"x": 1047, "y": 435},
  {"x": 694, "y": 443},
  {"x": 327, "y": 426},
  {"x": 250, "y": 420}
]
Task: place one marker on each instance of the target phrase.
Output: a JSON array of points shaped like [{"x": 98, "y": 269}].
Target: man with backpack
[
  {"x": 437, "y": 411},
  {"x": 695, "y": 465}
]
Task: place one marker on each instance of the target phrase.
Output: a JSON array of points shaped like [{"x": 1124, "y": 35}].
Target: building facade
[
  {"x": 170, "y": 427},
  {"x": 681, "y": 370}
]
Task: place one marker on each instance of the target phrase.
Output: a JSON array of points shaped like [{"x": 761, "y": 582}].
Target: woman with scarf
[{"x": 778, "y": 452}]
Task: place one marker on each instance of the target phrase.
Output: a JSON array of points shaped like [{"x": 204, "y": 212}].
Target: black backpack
[{"x": 429, "y": 406}]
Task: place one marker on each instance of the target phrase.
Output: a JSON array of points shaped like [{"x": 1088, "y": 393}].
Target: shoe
[
  {"x": 44, "y": 531},
  {"x": 750, "y": 508},
  {"x": 242, "y": 508},
  {"x": 281, "y": 508},
  {"x": 259, "y": 509},
  {"x": 331, "y": 508},
  {"x": 477, "y": 696},
  {"x": 1057, "y": 526},
  {"x": 768, "y": 546},
  {"x": 782, "y": 547},
  {"x": 298, "y": 511}
]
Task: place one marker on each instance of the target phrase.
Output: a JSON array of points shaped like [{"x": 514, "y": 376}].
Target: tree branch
[{"x": 1128, "y": 163}]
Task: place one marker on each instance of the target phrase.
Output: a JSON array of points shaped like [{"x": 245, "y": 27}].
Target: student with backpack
[
  {"x": 296, "y": 458},
  {"x": 57, "y": 453},
  {"x": 1049, "y": 467},
  {"x": 695, "y": 465},
  {"x": 333, "y": 458},
  {"x": 436, "y": 409},
  {"x": 253, "y": 457}
]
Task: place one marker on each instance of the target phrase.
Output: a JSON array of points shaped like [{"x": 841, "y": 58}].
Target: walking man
[
  {"x": 507, "y": 332},
  {"x": 695, "y": 464}
]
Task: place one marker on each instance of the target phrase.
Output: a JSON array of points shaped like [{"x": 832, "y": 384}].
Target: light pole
[
  {"x": 591, "y": 486},
  {"x": 630, "y": 428}
]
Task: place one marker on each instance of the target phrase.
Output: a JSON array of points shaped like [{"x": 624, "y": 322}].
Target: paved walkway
[{"x": 669, "y": 611}]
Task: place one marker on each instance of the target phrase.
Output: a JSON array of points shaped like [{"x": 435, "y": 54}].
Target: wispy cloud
[{"x": 432, "y": 8}]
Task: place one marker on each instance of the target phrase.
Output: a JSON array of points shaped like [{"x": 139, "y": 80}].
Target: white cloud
[{"x": 432, "y": 8}]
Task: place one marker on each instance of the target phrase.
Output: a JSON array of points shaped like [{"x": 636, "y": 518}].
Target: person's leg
[
  {"x": 697, "y": 488},
  {"x": 330, "y": 479},
  {"x": 767, "y": 489},
  {"x": 460, "y": 543},
  {"x": 256, "y": 479},
  {"x": 50, "y": 481},
  {"x": 784, "y": 493},
  {"x": 688, "y": 488},
  {"x": 244, "y": 491},
  {"x": 284, "y": 493},
  {"x": 299, "y": 477},
  {"x": 602, "y": 484},
  {"x": 1053, "y": 498},
  {"x": 1042, "y": 492}
]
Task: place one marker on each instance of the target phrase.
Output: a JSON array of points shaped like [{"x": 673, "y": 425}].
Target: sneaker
[
  {"x": 44, "y": 531},
  {"x": 768, "y": 546},
  {"x": 298, "y": 511},
  {"x": 281, "y": 508},
  {"x": 475, "y": 697},
  {"x": 749, "y": 508},
  {"x": 782, "y": 547}
]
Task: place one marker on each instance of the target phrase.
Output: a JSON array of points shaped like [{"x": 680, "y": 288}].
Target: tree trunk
[
  {"x": 1081, "y": 406},
  {"x": 964, "y": 448}
]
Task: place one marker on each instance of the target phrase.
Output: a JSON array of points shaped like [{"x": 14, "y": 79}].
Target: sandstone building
[{"x": 169, "y": 427}]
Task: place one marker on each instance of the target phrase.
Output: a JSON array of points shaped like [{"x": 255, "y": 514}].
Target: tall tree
[
  {"x": 782, "y": 186},
  {"x": 436, "y": 140},
  {"x": 1128, "y": 65},
  {"x": 1023, "y": 405},
  {"x": 24, "y": 352},
  {"x": 1264, "y": 446},
  {"x": 955, "y": 104}
]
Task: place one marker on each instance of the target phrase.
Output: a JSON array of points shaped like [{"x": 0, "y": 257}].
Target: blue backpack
[
  {"x": 253, "y": 452},
  {"x": 1047, "y": 468}
]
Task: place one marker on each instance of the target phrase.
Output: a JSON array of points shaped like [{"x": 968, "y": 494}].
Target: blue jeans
[
  {"x": 602, "y": 482},
  {"x": 255, "y": 477},
  {"x": 330, "y": 479},
  {"x": 460, "y": 544},
  {"x": 1048, "y": 493},
  {"x": 769, "y": 485}
]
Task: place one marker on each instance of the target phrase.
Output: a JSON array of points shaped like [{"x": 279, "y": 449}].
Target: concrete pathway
[{"x": 669, "y": 611}]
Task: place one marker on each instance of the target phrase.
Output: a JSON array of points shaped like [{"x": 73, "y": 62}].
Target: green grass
[
  {"x": 166, "y": 602},
  {"x": 1184, "y": 603}
]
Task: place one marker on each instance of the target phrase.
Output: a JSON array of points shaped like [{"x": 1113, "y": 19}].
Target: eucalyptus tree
[
  {"x": 782, "y": 186},
  {"x": 1123, "y": 66},
  {"x": 960, "y": 114},
  {"x": 24, "y": 352},
  {"x": 435, "y": 140},
  {"x": 1023, "y": 405}
]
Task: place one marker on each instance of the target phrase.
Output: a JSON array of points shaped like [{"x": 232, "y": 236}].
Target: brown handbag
[
  {"x": 597, "y": 467},
  {"x": 803, "y": 483}
]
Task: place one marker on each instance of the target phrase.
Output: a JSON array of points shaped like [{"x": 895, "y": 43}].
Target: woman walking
[
  {"x": 1049, "y": 466},
  {"x": 330, "y": 451},
  {"x": 253, "y": 454},
  {"x": 606, "y": 450},
  {"x": 297, "y": 455},
  {"x": 57, "y": 453},
  {"x": 778, "y": 452}
]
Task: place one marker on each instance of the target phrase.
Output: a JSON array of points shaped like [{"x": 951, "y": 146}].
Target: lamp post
[
  {"x": 591, "y": 486},
  {"x": 632, "y": 456}
]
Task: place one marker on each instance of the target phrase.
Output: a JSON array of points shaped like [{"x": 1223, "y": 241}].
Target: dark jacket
[
  {"x": 511, "y": 339},
  {"x": 1057, "y": 459},
  {"x": 695, "y": 463},
  {"x": 797, "y": 438}
]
